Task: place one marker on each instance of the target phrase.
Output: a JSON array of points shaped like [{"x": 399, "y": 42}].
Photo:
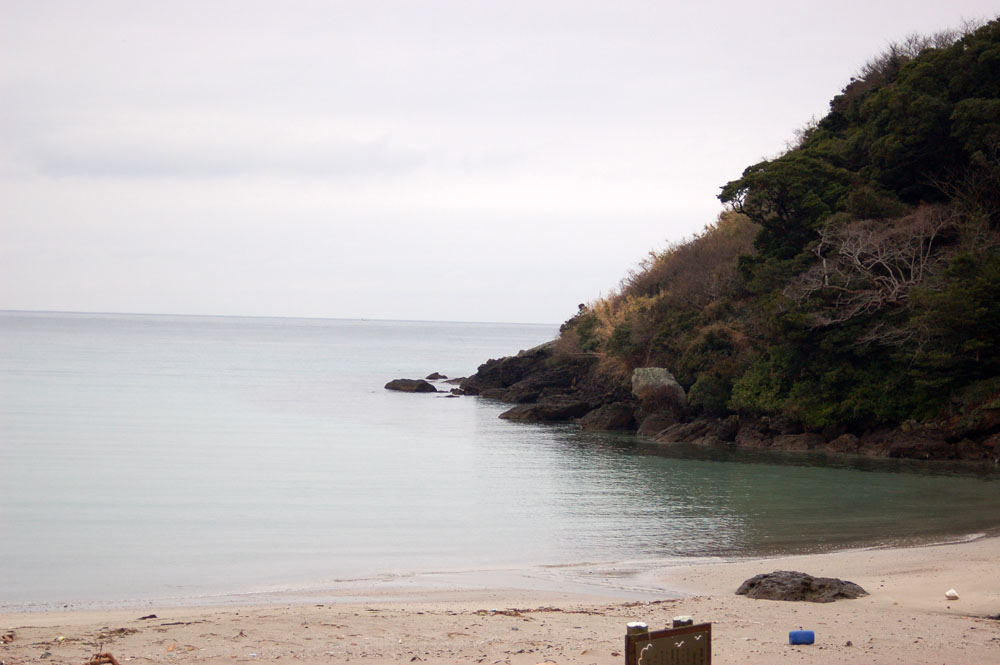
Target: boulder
[
  {"x": 434, "y": 376},
  {"x": 896, "y": 443},
  {"x": 617, "y": 416},
  {"x": 656, "y": 422},
  {"x": 410, "y": 386},
  {"x": 795, "y": 586},
  {"x": 655, "y": 385},
  {"x": 550, "y": 409},
  {"x": 753, "y": 435},
  {"x": 799, "y": 442},
  {"x": 968, "y": 449},
  {"x": 845, "y": 443},
  {"x": 684, "y": 432}
]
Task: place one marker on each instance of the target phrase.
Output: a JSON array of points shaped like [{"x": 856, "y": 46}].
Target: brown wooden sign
[{"x": 689, "y": 645}]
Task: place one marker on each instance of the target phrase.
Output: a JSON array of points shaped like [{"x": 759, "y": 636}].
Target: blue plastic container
[{"x": 801, "y": 637}]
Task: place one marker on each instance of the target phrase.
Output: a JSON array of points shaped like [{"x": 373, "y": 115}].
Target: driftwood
[{"x": 102, "y": 659}]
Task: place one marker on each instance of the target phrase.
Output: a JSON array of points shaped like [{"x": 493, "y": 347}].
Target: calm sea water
[{"x": 177, "y": 457}]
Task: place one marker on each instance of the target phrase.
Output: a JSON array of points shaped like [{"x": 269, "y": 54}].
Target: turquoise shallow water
[{"x": 153, "y": 457}]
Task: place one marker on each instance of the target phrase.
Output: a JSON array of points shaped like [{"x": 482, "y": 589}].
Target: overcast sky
[{"x": 469, "y": 161}]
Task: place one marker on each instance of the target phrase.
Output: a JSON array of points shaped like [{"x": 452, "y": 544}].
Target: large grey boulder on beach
[
  {"x": 411, "y": 386},
  {"x": 795, "y": 586}
]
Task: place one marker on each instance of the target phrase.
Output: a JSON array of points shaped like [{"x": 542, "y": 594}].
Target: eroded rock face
[
  {"x": 617, "y": 416},
  {"x": 656, "y": 422},
  {"x": 410, "y": 386},
  {"x": 794, "y": 586},
  {"x": 498, "y": 374},
  {"x": 550, "y": 409}
]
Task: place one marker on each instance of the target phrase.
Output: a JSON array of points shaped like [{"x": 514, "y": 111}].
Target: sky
[{"x": 422, "y": 160}]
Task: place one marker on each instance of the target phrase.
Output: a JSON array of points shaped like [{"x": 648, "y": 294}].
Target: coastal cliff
[{"x": 846, "y": 299}]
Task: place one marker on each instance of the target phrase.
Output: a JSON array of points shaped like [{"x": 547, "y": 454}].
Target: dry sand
[{"x": 906, "y": 619}]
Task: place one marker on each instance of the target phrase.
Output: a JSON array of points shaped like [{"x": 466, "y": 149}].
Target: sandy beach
[{"x": 906, "y": 619}]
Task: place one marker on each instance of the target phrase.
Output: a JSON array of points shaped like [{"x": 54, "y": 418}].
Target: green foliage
[
  {"x": 586, "y": 330},
  {"x": 711, "y": 393},
  {"x": 762, "y": 388},
  {"x": 962, "y": 319},
  {"x": 855, "y": 280}
]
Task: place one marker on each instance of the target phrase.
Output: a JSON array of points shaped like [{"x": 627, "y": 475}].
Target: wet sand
[{"x": 906, "y": 619}]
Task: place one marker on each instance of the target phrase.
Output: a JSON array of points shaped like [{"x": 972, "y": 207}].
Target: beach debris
[
  {"x": 791, "y": 585},
  {"x": 801, "y": 637},
  {"x": 102, "y": 659},
  {"x": 148, "y": 616},
  {"x": 108, "y": 635},
  {"x": 951, "y": 594},
  {"x": 7, "y": 638}
]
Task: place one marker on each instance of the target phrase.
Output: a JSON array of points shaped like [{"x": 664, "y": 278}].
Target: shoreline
[
  {"x": 629, "y": 580},
  {"x": 906, "y": 618}
]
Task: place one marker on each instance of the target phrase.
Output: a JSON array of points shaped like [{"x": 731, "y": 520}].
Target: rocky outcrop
[
  {"x": 656, "y": 422},
  {"x": 795, "y": 586},
  {"x": 896, "y": 443},
  {"x": 550, "y": 387},
  {"x": 550, "y": 409},
  {"x": 435, "y": 376},
  {"x": 548, "y": 380},
  {"x": 798, "y": 442},
  {"x": 501, "y": 373},
  {"x": 410, "y": 386},
  {"x": 616, "y": 416}
]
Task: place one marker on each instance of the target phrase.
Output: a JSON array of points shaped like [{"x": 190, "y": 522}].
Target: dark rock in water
[
  {"x": 799, "y": 442},
  {"x": 845, "y": 443},
  {"x": 456, "y": 381},
  {"x": 457, "y": 391},
  {"x": 618, "y": 416},
  {"x": 550, "y": 409},
  {"x": 435, "y": 376},
  {"x": 897, "y": 443},
  {"x": 530, "y": 388},
  {"x": 504, "y": 372},
  {"x": 684, "y": 432},
  {"x": 410, "y": 386},
  {"x": 656, "y": 422},
  {"x": 795, "y": 586},
  {"x": 525, "y": 413}
]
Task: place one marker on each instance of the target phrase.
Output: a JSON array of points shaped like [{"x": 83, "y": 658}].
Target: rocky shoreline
[{"x": 546, "y": 386}]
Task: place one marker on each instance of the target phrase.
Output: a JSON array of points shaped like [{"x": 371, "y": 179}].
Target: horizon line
[{"x": 271, "y": 316}]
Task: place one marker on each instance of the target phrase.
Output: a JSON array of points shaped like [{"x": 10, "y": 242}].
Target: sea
[{"x": 188, "y": 459}]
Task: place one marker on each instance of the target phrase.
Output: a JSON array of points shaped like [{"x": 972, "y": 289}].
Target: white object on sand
[{"x": 951, "y": 594}]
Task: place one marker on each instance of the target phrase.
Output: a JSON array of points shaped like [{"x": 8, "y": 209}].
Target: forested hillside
[{"x": 854, "y": 281}]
